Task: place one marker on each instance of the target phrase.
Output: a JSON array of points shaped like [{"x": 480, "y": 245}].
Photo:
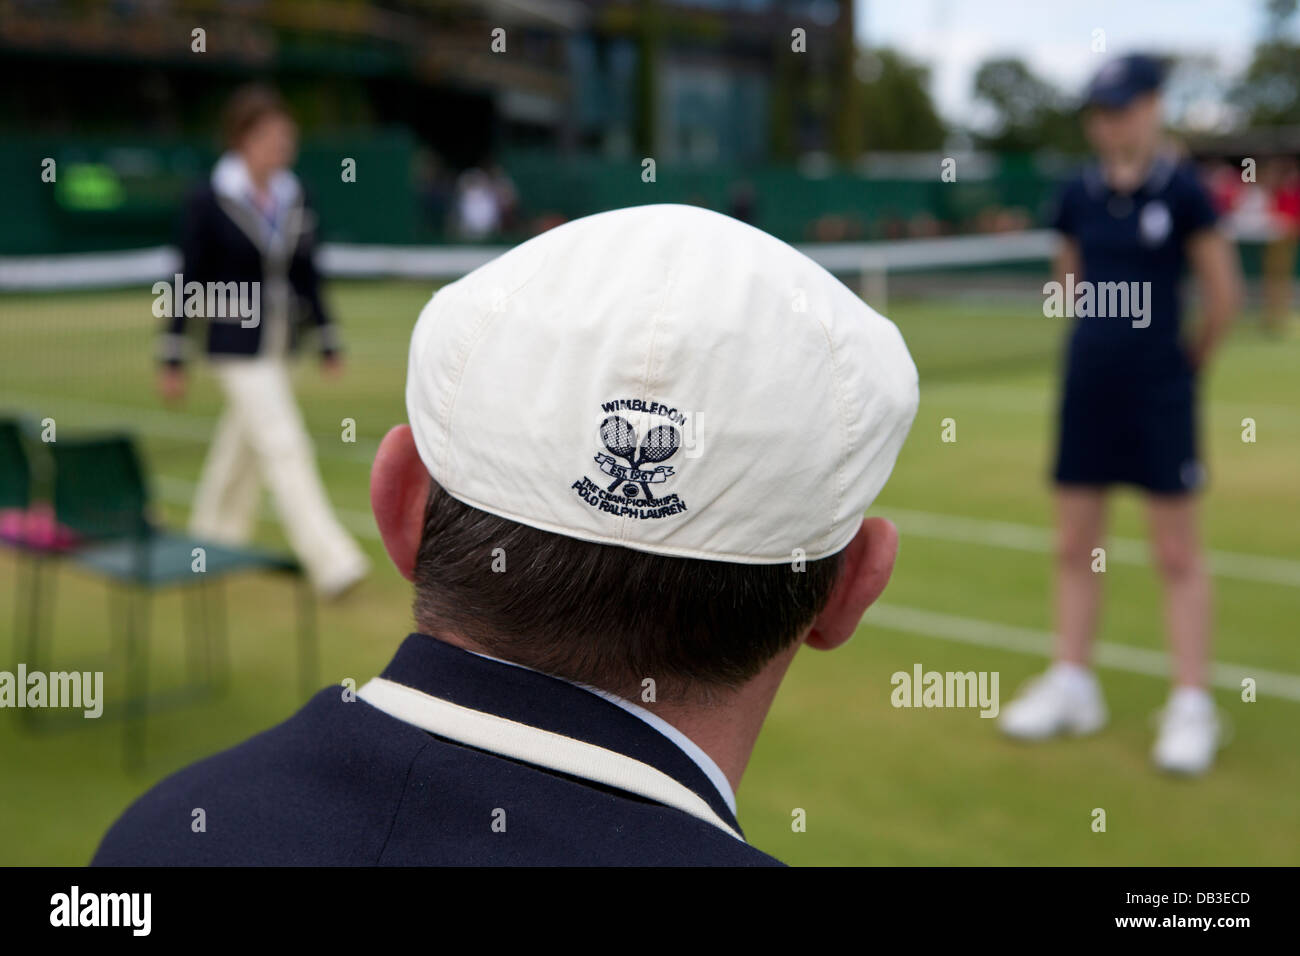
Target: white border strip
[
  {"x": 95, "y": 270},
  {"x": 140, "y": 266}
]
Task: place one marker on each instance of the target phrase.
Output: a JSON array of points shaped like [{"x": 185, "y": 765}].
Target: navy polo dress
[{"x": 1128, "y": 407}]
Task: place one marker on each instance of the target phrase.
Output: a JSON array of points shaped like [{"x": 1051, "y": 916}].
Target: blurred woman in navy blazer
[{"x": 251, "y": 225}]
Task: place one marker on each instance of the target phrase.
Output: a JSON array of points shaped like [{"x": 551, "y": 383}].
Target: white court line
[
  {"x": 1004, "y": 534},
  {"x": 1022, "y": 640},
  {"x": 1245, "y": 567},
  {"x": 1023, "y": 537},
  {"x": 1042, "y": 399},
  {"x": 179, "y": 492}
]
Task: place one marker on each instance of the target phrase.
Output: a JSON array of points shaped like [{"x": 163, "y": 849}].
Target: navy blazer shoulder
[{"x": 342, "y": 783}]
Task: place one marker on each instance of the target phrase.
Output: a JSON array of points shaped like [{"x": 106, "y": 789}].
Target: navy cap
[{"x": 1121, "y": 81}]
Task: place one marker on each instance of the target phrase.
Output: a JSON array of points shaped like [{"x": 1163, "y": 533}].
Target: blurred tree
[
  {"x": 1269, "y": 91},
  {"x": 894, "y": 102},
  {"x": 1197, "y": 96},
  {"x": 1277, "y": 14},
  {"x": 848, "y": 132},
  {"x": 649, "y": 40},
  {"x": 1029, "y": 112}
]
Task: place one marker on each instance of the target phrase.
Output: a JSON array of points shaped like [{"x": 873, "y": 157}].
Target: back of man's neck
[{"x": 726, "y": 728}]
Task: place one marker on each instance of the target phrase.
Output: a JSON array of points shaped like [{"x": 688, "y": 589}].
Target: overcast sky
[{"x": 954, "y": 36}]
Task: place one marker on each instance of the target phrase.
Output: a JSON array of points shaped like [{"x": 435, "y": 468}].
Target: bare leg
[
  {"x": 1081, "y": 527},
  {"x": 1180, "y": 561},
  {"x": 1067, "y": 698}
]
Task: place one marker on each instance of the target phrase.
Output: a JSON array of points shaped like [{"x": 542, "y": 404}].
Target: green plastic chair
[{"x": 100, "y": 493}]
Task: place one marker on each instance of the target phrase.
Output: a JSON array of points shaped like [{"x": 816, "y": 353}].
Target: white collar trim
[{"x": 690, "y": 747}]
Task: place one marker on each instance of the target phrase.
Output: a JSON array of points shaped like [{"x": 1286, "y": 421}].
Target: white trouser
[{"x": 261, "y": 438}]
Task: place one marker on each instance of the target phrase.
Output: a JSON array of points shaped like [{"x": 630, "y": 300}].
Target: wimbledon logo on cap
[{"x": 630, "y": 492}]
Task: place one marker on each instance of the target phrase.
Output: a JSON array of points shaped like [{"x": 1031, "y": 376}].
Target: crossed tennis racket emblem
[{"x": 660, "y": 443}]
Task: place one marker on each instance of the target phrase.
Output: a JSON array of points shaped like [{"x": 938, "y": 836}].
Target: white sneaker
[
  {"x": 1065, "y": 700},
  {"x": 1189, "y": 733}
]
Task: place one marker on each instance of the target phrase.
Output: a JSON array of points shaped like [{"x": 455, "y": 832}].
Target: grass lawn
[{"x": 878, "y": 785}]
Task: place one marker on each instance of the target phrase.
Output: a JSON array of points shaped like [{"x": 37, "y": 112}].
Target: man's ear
[
  {"x": 868, "y": 563},
  {"x": 399, "y": 491}
]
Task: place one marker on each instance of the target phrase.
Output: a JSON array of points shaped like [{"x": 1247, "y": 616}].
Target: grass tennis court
[{"x": 879, "y": 785}]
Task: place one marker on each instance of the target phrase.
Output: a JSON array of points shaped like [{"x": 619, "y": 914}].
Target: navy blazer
[
  {"x": 215, "y": 248},
  {"x": 343, "y": 783}
]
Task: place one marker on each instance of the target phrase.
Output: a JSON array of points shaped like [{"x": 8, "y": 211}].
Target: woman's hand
[
  {"x": 1218, "y": 272},
  {"x": 171, "y": 383}
]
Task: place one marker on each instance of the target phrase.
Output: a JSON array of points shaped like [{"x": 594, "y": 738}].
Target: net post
[{"x": 873, "y": 283}]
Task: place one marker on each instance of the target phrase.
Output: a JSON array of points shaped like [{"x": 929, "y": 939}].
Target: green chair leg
[
  {"x": 24, "y": 581},
  {"x": 198, "y": 650},
  {"x": 137, "y": 676},
  {"x": 214, "y": 618},
  {"x": 308, "y": 645},
  {"x": 32, "y": 628},
  {"x": 41, "y": 595}
]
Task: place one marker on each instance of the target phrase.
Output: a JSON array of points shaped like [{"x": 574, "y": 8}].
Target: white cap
[{"x": 664, "y": 378}]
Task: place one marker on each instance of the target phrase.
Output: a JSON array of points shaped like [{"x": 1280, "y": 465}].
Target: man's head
[
  {"x": 605, "y": 615},
  {"x": 745, "y": 404}
]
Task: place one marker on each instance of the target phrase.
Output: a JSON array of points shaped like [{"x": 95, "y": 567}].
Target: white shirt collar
[
  {"x": 1162, "y": 167},
  {"x": 688, "y": 746},
  {"x": 230, "y": 180}
]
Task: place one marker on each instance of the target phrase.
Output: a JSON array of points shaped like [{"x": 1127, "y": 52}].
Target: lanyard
[{"x": 536, "y": 746}]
